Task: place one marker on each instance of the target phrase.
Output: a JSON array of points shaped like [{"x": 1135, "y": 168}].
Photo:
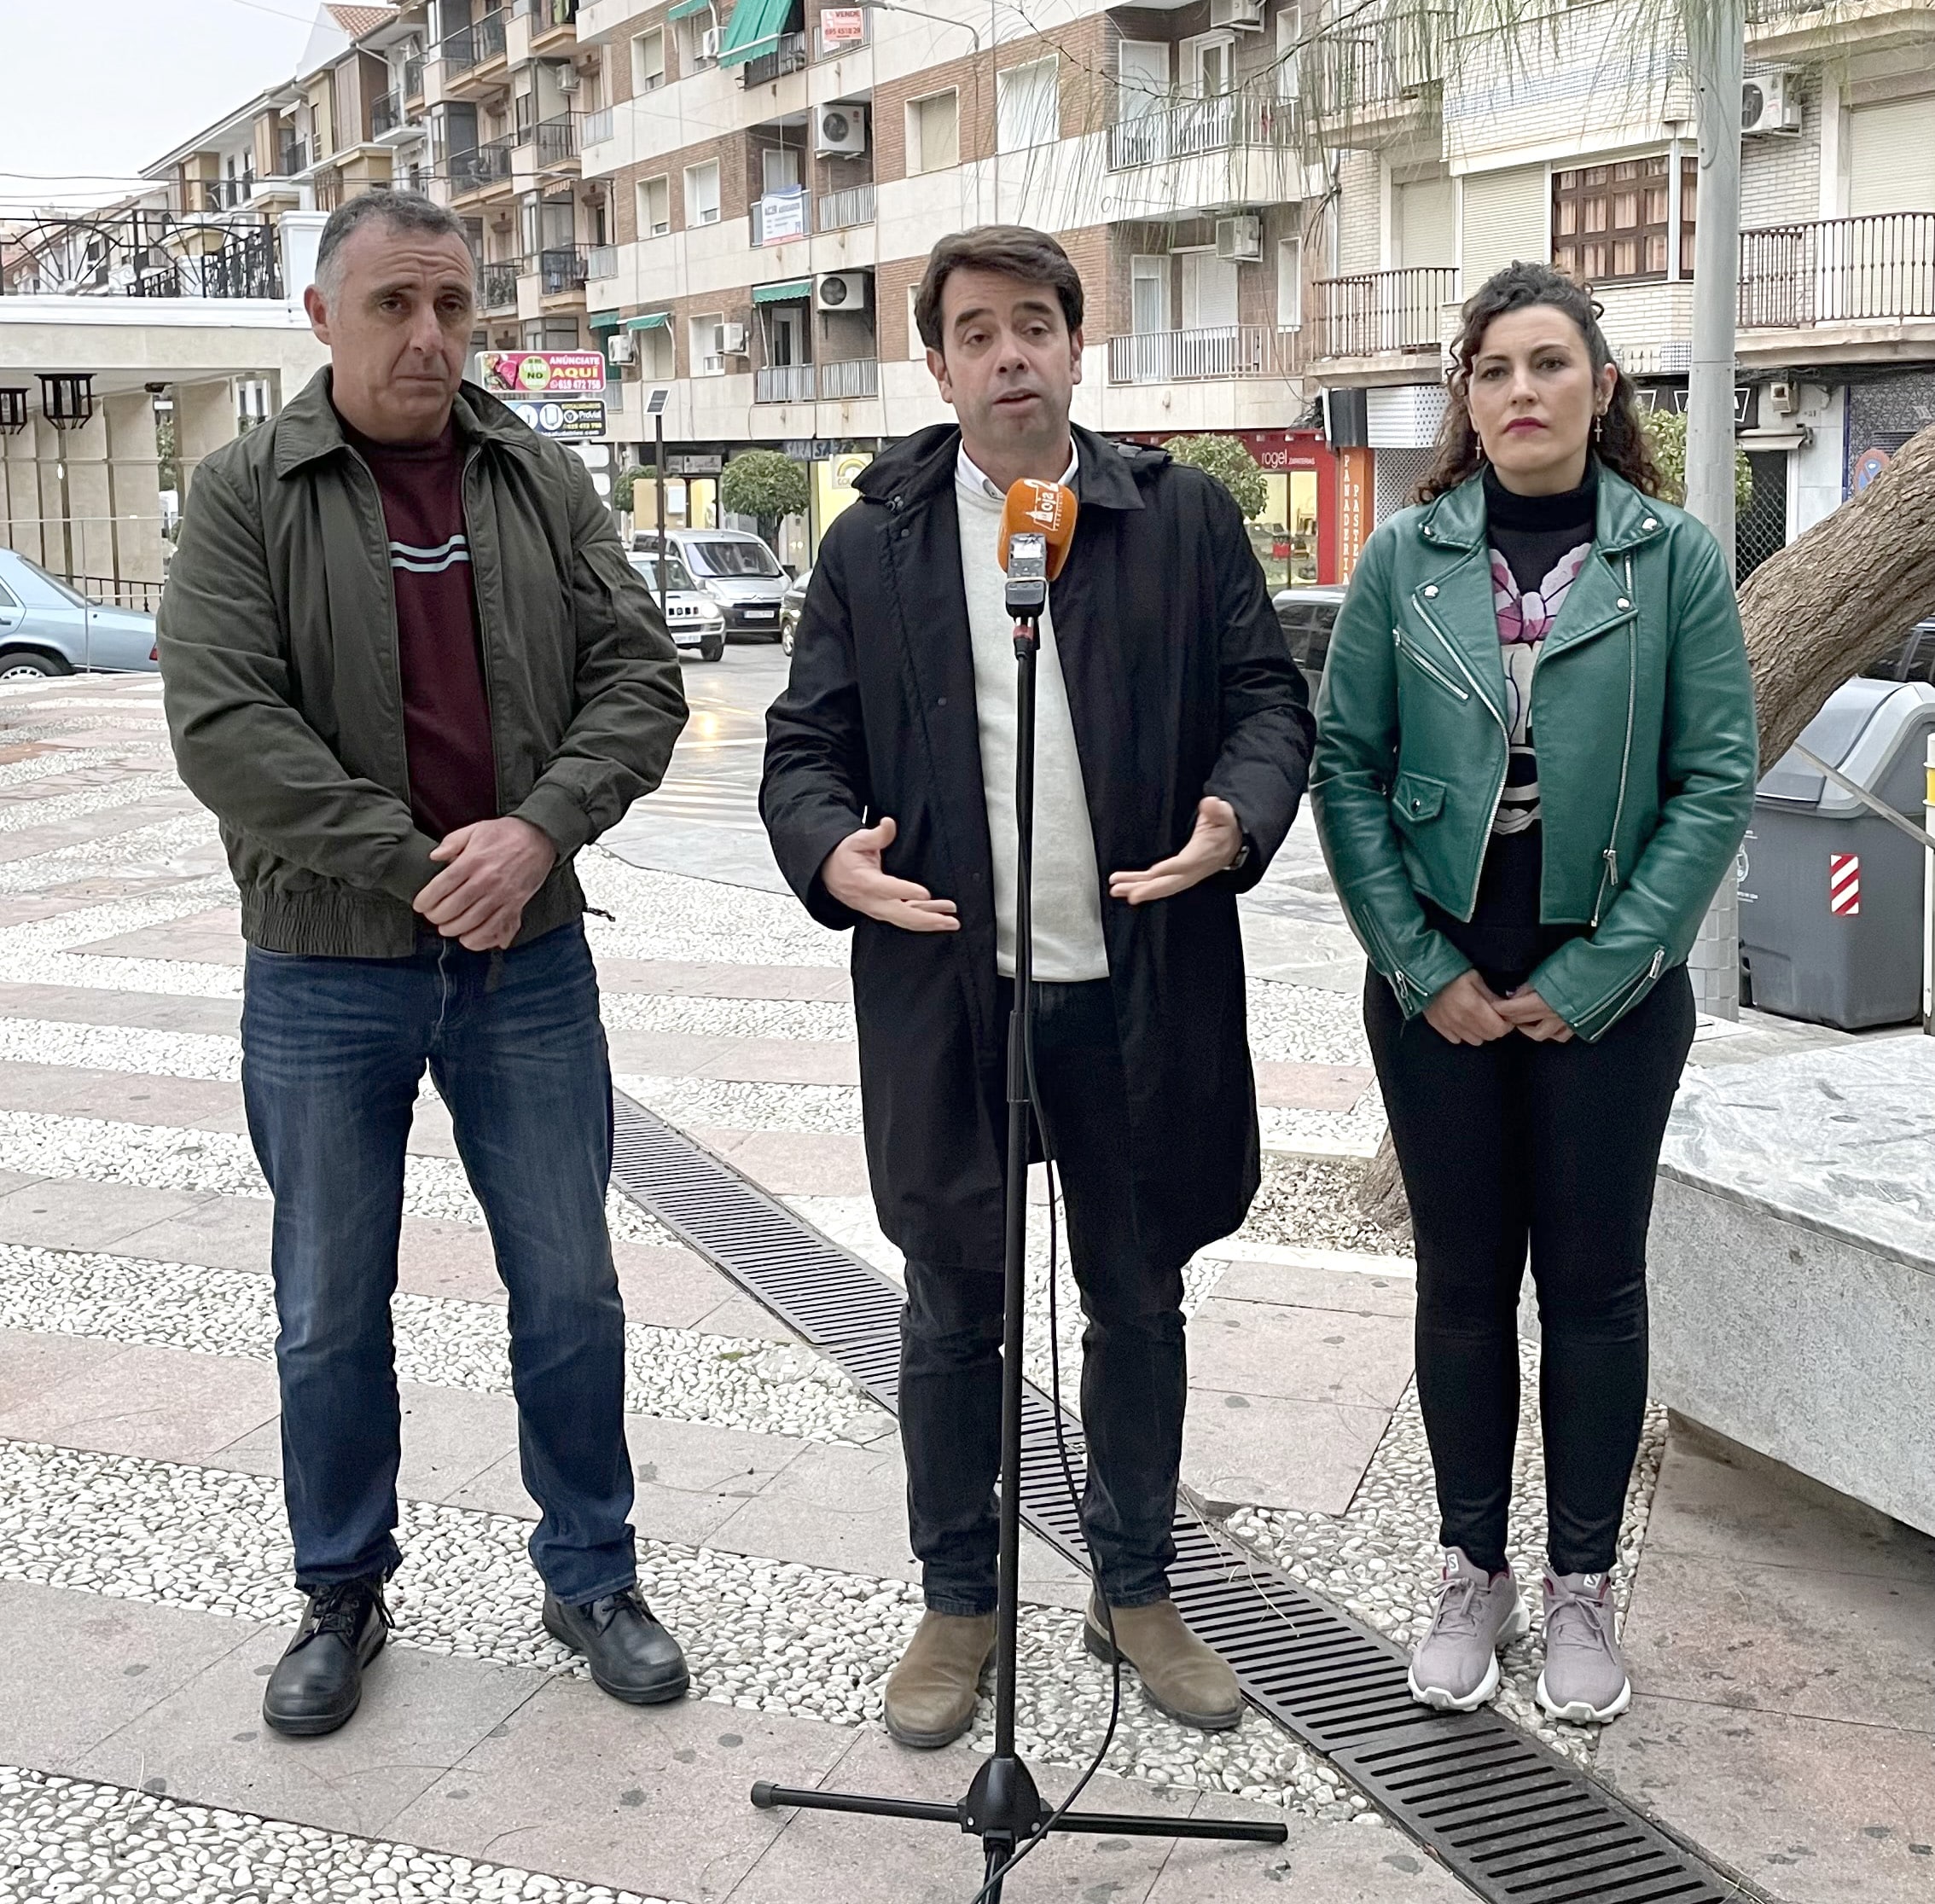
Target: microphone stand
[{"x": 1002, "y": 1807}]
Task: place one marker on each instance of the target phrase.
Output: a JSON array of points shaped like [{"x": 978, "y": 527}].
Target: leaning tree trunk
[{"x": 1817, "y": 613}]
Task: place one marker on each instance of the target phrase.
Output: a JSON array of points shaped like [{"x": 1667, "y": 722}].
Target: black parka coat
[{"x": 1181, "y": 684}]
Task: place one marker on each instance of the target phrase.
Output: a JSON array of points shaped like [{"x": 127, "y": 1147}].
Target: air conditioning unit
[
  {"x": 621, "y": 347},
  {"x": 566, "y": 76},
  {"x": 1239, "y": 239},
  {"x": 840, "y": 129},
  {"x": 1770, "y": 101},
  {"x": 709, "y": 44},
  {"x": 1246, "y": 16},
  {"x": 841, "y": 291},
  {"x": 728, "y": 340}
]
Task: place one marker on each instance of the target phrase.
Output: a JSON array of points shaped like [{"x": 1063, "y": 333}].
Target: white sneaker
[
  {"x": 1584, "y": 1679},
  {"x": 1455, "y": 1666}
]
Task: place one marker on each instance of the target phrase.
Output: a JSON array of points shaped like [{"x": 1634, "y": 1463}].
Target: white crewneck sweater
[{"x": 1069, "y": 947}]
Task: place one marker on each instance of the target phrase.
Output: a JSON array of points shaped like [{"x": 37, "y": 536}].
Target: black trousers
[
  {"x": 1554, "y": 1144},
  {"x": 1134, "y": 1377}
]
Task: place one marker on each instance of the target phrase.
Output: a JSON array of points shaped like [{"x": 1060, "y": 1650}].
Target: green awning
[
  {"x": 754, "y": 28},
  {"x": 652, "y": 320},
  {"x": 683, "y": 9},
  {"x": 603, "y": 320},
  {"x": 789, "y": 293}
]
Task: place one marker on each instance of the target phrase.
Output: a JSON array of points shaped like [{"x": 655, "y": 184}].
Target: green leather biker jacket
[{"x": 1642, "y": 715}]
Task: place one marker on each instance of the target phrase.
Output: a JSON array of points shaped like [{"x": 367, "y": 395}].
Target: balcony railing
[
  {"x": 855, "y": 377},
  {"x": 1215, "y": 124},
  {"x": 386, "y": 115},
  {"x": 557, "y": 139},
  {"x": 472, "y": 45},
  {"x": 216, "y": 194},
  {"x": 293, "y": 158},
  {"x": 1834, "y": 270},
  {"x": 800, "y": 383},
  {"x": 1188, "y": 355},
  {"x": 783, "y": 383},
  {"x": 1346, "y": 76},
  {"x": 562, "y": 269},
  {"x": 249, "y": 265},
  {"x": 598, "y": 127},
  {"x": 482, "y": 165},
  {"x": 497, "y": 284},
  {"x": 1378, "y": 311},
  {"x": 413, "y": 77},
  {"x": 547, "y": 15},
  {"x": 601, "y": 261},
  {"x": 853, "y": 206},
  {"x": 118, "y": 591},
  {"x": 788, "y": 56}
]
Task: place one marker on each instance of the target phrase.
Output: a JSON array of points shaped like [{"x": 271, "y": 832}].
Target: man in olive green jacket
[{"x": 408, "y": 665}]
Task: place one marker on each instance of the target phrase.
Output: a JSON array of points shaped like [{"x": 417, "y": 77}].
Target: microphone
[{"x": 1037, "y": 526}]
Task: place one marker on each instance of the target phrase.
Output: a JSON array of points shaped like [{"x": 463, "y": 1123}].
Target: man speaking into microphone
[{"x": 1173, "y": 732}]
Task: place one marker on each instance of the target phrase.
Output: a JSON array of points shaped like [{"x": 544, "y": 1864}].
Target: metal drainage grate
[{"x": 1513, "y": 1819}]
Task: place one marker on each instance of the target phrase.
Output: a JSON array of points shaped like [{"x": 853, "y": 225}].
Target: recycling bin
[{"x": 1831, "y": 894}]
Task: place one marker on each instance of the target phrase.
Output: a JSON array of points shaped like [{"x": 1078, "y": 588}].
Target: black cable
[{"x": 1025, "y": 866}]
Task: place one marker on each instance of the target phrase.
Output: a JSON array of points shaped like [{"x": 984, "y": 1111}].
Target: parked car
[
  {"x": 48, "y": 627},
  {"x": 738, "y": 569},
  {"x": 1306, "y": 616},
  {"x": 793, "y": 605},
  {"x": 1913, "y": 660},
  {"x": 693, "y": 618}
]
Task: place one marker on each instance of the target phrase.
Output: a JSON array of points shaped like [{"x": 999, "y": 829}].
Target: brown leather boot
[
  {"x": 931, "y": 1694},
  {"x": 1180, "y": 1676}
]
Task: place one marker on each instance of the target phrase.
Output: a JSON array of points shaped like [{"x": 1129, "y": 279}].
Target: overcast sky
[{"x": 107, "y": 86}]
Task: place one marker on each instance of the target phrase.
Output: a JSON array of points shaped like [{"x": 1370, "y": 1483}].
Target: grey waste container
[{"x": 1830, "y": 893}]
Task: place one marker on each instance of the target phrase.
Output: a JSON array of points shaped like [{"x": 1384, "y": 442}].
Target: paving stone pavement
[{"x": 143, "y": 1564}]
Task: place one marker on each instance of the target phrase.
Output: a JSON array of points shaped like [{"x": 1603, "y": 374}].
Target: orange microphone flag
[{"x": 1043, "y": 509}]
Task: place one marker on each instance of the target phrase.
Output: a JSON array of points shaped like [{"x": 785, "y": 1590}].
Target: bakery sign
[{"x": 542, "y": 372}]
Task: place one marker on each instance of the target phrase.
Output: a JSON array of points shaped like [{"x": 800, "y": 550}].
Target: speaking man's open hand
[
  {"x": 853, "y": 874},
  {"x": 1212, "y": 847}
]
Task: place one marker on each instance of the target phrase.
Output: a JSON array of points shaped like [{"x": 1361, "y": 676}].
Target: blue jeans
[{"x": 333, "y": 1053}]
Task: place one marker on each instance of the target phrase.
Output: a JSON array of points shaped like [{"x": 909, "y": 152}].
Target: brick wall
[
  {"x": 737, "y": 181},
  {"x": 1781, "y": 173},
  {"x": 1357, "y": 211}
]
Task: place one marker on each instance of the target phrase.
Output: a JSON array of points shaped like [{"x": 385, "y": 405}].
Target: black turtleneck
[{"x": 1503, "y": 937}]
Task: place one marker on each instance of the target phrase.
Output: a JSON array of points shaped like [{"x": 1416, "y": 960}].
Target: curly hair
[{"x": 1621, "y": 444}]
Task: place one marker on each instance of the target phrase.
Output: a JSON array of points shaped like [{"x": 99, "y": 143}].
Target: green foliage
[
  {"x": 764, "y": 484},
  {"x": 1227, "y": 458},
  {"x": 626, "y": 481},
  {"x": 1667, "y": 433}
]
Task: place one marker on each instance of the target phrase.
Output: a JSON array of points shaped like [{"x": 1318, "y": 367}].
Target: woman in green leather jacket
[{"x": 1535, "y": 761}]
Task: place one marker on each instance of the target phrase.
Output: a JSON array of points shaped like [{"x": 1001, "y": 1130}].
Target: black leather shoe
[
  {"x": 631, "y": 1656},
  {"x": 317, "y": 1684}
]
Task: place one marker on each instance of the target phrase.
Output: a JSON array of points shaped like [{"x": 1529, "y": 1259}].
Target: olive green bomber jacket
[
  {"x": 278, "y": 651},
  {"x": 1642, "y": 715}
]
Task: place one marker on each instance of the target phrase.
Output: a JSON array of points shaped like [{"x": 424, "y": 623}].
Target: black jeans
[
  {"x": 1553, "y": 1143},
  {"x": 1134, "y": 1380}
]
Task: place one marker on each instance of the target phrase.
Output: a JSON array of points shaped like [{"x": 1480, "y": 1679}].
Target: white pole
[
  {"x": 1928, "y": 898},
  {"x": 1717, "y": 32}
]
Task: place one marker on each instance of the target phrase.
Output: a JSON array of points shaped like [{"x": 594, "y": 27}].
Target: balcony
[
  {"x": 1876, "y": 270},
  {"x": 484, "y": 168},
  {"x": 293, "y": 159},
  {"x": 790, "y": 55},
  {"x": 413, "y": 77},
  {"x": 783, "y": 383},
  {"x": 249, "y": 265},
  {"x": 562, "y": 270},
  {"x": 1188, "y": 356},
  {"x": 1198, "y": 126},
  {"x": 553, "y": 23},
  {"x": 497, "y": 284},
  {"x": 557, "y": 140},
  {"x": 841, "y": 211},
  {"x": 203, "y": 196},
  {"x": 598, "y": 127},
  {"x": 1796, "y": 29},
  {"x": 801, "y": 383},
  {"x": 1379, "y": 312},
  {"x": 1378, "y": 79},
  {"x": 473, "y": 46},
  {"x": 601, "y": 261},
  {"x": 385, "y": 113}
]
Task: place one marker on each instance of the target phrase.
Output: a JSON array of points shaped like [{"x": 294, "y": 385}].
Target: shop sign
[
  {"x": 569, "y": 417},
  {"x": 1278, "y": 451},
  {"x": 697, "y": 464},
  {"x": 842, "y": 25},
  {"x": 1356, "y": 508},
  {"x": 782, "y": 218},
  {"x": 542, "y": 372}
]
